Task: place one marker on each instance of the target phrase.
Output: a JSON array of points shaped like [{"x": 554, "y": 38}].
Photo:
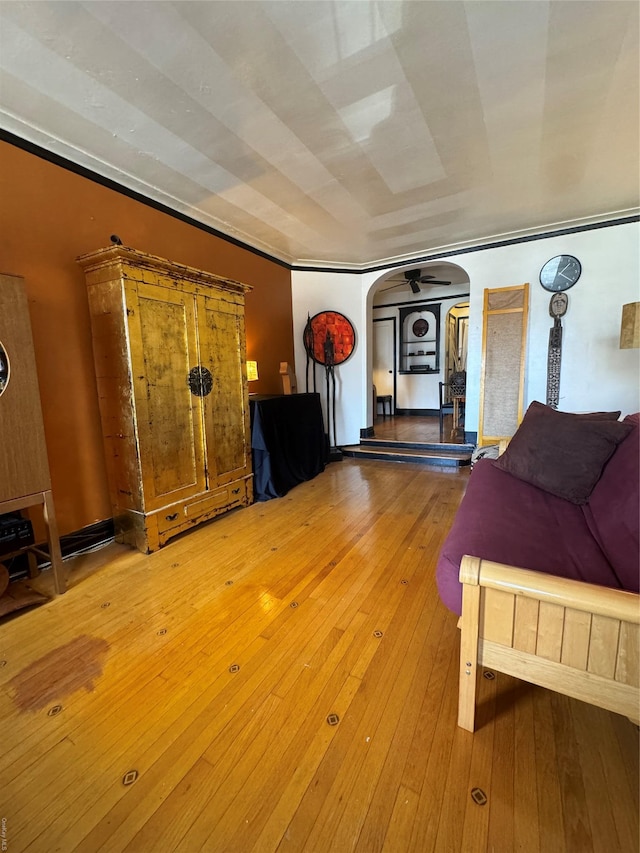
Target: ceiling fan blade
[
  {"x": 433, "y": 281},
  {"x": 415, "y": 287},
  {"x": 393, "y": 286}
]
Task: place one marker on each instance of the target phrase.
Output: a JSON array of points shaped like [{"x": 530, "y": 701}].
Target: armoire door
[
  {"x": 226, "y": 410},
  {"x": 164, "y": 349}
]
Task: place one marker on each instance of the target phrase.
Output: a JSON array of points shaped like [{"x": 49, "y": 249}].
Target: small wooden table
[{"x": 43, "y": 499}]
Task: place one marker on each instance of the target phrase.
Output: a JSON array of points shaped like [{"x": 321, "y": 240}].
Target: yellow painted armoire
[{"x": 169, "y": 351}]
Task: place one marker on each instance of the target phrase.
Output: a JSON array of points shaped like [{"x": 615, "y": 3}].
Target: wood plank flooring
[
  {"x": 417, "y": 428},
  {"x": 285, "y": 679}
]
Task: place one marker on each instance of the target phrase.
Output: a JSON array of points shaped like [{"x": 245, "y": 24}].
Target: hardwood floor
[
  {"x": 412, "y": 428},
  {"x": 285, "y": 679}
]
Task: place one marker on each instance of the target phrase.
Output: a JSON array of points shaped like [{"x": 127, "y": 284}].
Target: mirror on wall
[
  {"x": 4, "y": 368},
  {"x": 457, "y": 331}
]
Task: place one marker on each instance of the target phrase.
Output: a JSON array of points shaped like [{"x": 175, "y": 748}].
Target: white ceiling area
[{"x": 341, "y": 134}]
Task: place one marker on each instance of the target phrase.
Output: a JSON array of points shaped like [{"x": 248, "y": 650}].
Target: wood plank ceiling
[{"x": 339, "y": 133}]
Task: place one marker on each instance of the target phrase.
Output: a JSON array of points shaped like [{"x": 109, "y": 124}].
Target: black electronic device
[{"x": 15, "y": 533}]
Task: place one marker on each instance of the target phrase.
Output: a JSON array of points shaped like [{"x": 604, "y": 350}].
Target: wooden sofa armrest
[
  {"x": 579, "y": 595},
  {"x": 576, "y": 638}
]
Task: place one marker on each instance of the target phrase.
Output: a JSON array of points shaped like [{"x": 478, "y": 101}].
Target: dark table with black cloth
[{"x": 288, "y": 442}]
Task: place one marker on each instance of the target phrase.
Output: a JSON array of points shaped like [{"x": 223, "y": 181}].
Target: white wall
[
  {"x": 313, "y": 292},
  {"x": 596, "y": 374}
]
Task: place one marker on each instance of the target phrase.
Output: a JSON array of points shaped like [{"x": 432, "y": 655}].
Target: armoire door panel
[
  {"x": 170, "y": 416},
  {"x": 226, "y": 408}
]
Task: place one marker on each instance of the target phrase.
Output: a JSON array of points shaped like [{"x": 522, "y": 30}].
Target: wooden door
[
  {"x": 226, "y": 408},
  {"x": 384, "y": 358},
  {"x": 164, "y": 349}
]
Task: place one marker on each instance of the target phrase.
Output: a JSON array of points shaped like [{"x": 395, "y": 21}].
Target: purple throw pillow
[{"x": 563, "y": 453}]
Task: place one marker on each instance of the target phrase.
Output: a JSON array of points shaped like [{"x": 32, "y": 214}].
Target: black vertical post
[
  {"x": 329, "y": 357},
  {"x": 307, "y": 338}
]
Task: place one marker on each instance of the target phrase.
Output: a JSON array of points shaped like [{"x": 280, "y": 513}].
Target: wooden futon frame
[{"x": 575, "y": 638}]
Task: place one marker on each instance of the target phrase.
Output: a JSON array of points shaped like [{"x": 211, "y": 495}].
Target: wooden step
[
  {"x": 417, "y": 445},
  {"x": 440, "y": 455}
]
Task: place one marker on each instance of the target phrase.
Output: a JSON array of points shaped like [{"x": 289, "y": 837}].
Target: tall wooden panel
[
  {"x": 163, "y": 337},
  {"x": 504, "y": 338},
  {"x": 226, "y": 419},
  {"x": 169, "y": 349},
  {"x": 24, "y": 467}
]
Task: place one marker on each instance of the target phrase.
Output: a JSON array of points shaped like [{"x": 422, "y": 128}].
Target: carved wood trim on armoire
[
  {"x": 169, "y": 351},
  {"x": 25, "y": 480}
]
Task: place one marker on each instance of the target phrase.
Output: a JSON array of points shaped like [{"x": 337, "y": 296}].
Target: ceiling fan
[{"x": 415, "y": 279}]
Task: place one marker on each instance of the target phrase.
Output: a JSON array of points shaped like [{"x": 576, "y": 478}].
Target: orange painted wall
[{"x": 49, "y": 216}]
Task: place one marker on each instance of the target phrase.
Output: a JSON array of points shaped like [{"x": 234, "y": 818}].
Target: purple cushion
[
  {"x": 504, "y": 519},
  {"x": 613, "y": 511},
  {"x": 561, "y": 452}
]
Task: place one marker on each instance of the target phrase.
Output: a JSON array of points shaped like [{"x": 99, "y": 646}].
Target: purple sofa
[{"x": 505, "y": 519}]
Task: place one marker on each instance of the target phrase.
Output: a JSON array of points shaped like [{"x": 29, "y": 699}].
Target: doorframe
[
  {"x": 448, "y": 317},
  {"x": 395, "y": 364}
]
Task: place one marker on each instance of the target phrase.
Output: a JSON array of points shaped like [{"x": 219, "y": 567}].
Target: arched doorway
[{"x": 406, "y": 365}]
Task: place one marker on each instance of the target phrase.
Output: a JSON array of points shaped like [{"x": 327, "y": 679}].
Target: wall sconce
[
  {"x": 630, "y": 326},
  {"x": 252, "y": 371}
]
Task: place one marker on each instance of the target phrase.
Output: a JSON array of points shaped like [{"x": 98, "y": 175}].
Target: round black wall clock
[{"x": 560, "y": 273}]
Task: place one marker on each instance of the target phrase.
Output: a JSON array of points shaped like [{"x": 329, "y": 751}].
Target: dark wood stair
[{"x": 424, "y": 453}]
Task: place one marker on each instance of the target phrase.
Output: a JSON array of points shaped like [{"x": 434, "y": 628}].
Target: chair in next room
[{"x": 384, "y": 400}]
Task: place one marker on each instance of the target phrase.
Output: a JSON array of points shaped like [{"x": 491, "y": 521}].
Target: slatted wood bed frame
[{"x": 575, "y": 638}]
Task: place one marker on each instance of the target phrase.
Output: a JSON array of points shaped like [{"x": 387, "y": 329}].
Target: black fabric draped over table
[{"x": 288, "y": 442}]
